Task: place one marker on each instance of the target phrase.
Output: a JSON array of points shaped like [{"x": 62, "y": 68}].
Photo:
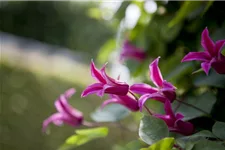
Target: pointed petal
[
  {"x": 219, "y": 45},
  {"x": 179, "y": 116},
  {"x": 155, "y": 73},
  {"x": 168, "y": 109},
  {"x": 110, "y": 101},
  {"x": 207, "y": 43},
  {"x": 169, "y": 121},
  {"x": 65, "y": 108},
  {"x": 145, "y": 97},
  {"x": 199, "y": 56},
  {"x": 93, "y": 88},
  {"x": 95, "y": 73},
  {"x": 69, "y": 93},
  {"x": 142, "y": 88},
  {"x": 168, "y": 85},
  {"x": 206, "y": 66},
  {"x": 109, "y": 80},
  {"x": 56, "y": 118},
  {"x": 130, "y": 102}
]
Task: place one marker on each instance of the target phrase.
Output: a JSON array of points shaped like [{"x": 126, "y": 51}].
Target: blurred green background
[{"x": 46, "y": 48}]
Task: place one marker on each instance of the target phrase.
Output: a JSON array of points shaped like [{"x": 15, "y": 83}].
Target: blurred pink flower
[
  {"x": 164, "y": 90},
  {"x": 212, "y": 55},
  {"x": 105, "y": 84},
  {"x": 128, "y": 101},
  {"x": 174, "y": 121},
  {"x": 130, "y": 51},
  {"x": 66, "y": 113}
]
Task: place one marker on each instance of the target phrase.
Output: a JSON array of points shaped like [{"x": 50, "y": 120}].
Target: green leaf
[
  {"x": 184, "y": 11},
  {"x": 105, "y": 50},
  {"x": 83, "y": 136},
  {"x": 208, "y": 145},
  {"x": 110, "y": 113},
  {"x": 152, "y": 129},
  {"x": 204, "y": 102},
  {"x": 189, "y": 141},
  {"x": 164, "y": 144},
  {"x": 213, "y": 79},
  {"x": 219, "y": 130}
]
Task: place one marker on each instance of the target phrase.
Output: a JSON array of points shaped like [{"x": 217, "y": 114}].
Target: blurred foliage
[{"x": 60, "y": 23}]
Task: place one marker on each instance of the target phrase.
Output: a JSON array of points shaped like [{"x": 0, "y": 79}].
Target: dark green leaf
[
  {"x": 204, "y": 102},
  {"x": 110, "y": 113},
  {"x": 213, "y": 79},
  {"x": 164, "y": 144},
  {"x": 189, "y": 141},
  {"x": 219, "y": 130},
  {"x": 208, "y": 145},
  {"x": 152, "y": 129}
]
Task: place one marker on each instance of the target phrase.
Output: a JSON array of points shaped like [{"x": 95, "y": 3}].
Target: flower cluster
[
  {"x": 124, "y": 94},
  {"x": 211, "y": 57}
]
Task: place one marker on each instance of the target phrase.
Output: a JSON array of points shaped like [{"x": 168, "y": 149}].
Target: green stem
[{"x": 190, "y": 105}]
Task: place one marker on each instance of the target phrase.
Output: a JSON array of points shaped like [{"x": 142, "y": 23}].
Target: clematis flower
[
  {"x": 174, "y": 121},
  {"x": 211, "y": 57},
  {"x": 105, "y": 84},
  {"x": 130, "y": 51},
  {"x": 66, "y": 113},
  {"x": 163, "y": 91},
  {"x": 128, "y": 101}
]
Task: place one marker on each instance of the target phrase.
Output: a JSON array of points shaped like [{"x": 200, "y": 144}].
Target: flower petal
[
  {"x": 55, "y": 118},
  {"x": 168, "y": 109},
  {"x": 95, "y": 73},
  {"x": 207, "y": 43},
  {"x": 185, "y": 128},
  {"x": 219, "y": 46},
  {"x": 117, "y": 89},
  {"x": 200, "y": 56},
  {"x": 142, "y": 88},
  {"x": 155, "y": 96},
  {"x": 218, "y": 66},
  {"x": 131, "y": 51},
  {"x": 69, "y": 93},
  {"x": 155, "y": 73},
  {"x": 206, "y": 66},
  {"x": 169, "y": 121},
  {"x": 93, "y": 88},
  {"x": 110, "y": 101}
]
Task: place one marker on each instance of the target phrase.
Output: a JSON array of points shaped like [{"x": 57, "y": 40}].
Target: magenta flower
[
  {"x": 212, "y": 55},
  {"x": 66, "y": 113},
  {"x": 130, "y": 51},
  {"x": 128, "y": 101},
  {"x": 105, "y": 84},
  {"x": 164, "y": 90},
  {"x": 174, "y": 121}
]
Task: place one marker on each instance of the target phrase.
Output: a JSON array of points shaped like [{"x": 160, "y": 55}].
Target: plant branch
[{"x": 190, "y": 105}]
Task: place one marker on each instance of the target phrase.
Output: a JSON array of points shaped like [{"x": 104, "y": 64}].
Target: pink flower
[
  {"x": 128, "y": 101},
  {"x": 105, "y": 84},
  {"x": 212, "y": 55},
  {"x": 130, "y": 51},
  {"x": 174, "y": 121},
  {"x": 164, "y": 90},
  {"x": 66, "y": 113}
]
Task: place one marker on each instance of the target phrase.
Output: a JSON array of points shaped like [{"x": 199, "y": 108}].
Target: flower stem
[{"x": 190, "y": 105}]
